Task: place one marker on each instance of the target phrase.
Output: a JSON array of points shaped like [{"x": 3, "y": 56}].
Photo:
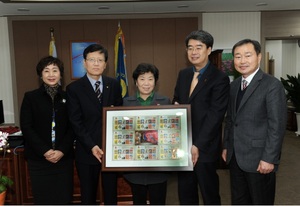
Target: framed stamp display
[{"x": 147, "y": 138}]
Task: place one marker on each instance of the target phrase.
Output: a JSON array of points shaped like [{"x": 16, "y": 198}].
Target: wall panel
[
  {"x": 26, "y": 56},
  {"x": 280, "y": 24},
  {"x": 164, "y": 47},
  {"x": 159, "y": 41}
]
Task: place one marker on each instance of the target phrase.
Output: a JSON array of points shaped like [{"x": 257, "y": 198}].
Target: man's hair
[
  {"x": 95, "y": 47},
  {"x": 255, "y": 43},
  {"x": 200, "y": 35}
]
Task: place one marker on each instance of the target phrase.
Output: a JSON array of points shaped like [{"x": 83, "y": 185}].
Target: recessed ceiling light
[
  {"x": 261, "y": 4},
  {"x": 183, "y": 6},
  {"x": 104, "y": 7},
  {"x": 23, "y": 9}
]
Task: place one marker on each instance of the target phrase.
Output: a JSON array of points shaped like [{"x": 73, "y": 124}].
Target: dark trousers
[
  {"x": 89, "y": 183},
  {"x": 251, "y": 188},
  {"x": 205, "y": 175},
  {"x": 157, "y": 193}
]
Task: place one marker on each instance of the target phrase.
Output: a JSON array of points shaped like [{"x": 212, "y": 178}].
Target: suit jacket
[
  {"x": 146, "y": 178},
  {"x": 36, "y": 120},
  {"x": 208, "y": 106},
  {"x": 85, "y": 113},
  {"x": 256, "y": 129}
]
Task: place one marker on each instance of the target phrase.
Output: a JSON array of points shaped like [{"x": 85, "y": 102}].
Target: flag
[
  {"x": 120, "y": 63},
  {"x": 52, "y": 48}
]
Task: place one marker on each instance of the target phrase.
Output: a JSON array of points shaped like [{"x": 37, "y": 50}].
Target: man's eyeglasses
[
  {"x": 93, "y": 61},
  {"x": 194, "y": 49}
]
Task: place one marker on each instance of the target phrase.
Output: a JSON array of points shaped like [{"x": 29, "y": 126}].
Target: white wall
[
  {"x": 6, "y": 91},
  {"x": 286, "y": 55},
  {"x": 274, "y": 47},
  {"x": 289, "y": 57},
  {"x": 229, "y": 28}
]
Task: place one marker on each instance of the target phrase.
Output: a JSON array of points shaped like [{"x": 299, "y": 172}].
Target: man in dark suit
[
  {"x": 255, "y": 127},
  {"x": 206, "y": 89},
  {"x": 86, "y": 98}
]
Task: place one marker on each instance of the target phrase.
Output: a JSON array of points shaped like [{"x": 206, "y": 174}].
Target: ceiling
[{"x": 94, "y": 7}]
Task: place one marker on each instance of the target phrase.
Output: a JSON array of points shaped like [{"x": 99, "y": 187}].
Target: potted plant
[
  {"x": 4, "y": 180},
  {"x": 292, "y": 87}
]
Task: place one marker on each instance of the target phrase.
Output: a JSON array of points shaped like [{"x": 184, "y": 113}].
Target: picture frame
[
  {"x": 77, "y": 48},
  {"x": 147, "y": 138}
]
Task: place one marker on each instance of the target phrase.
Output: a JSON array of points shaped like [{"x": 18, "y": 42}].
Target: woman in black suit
[
  {"x": 48, "y": 136},
  {"x": 143, "y": 184}
]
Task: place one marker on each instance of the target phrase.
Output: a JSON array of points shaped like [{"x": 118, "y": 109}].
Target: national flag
[
  {"x": 52, "y": 48},
  {"x": 120, "y": 63}
]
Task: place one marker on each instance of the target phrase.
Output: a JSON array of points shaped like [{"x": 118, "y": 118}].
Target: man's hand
[
  {"x": 97, "y": 152},
  {"x": 224, "y": 154},
  {"x": 265, "y": 167},
  {"x": 195, "y": 154}
]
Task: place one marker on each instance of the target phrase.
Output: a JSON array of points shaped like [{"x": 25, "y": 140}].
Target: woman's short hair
[
  {"x": 143, "y": 68},
  {"x": 44, "y": 62}
]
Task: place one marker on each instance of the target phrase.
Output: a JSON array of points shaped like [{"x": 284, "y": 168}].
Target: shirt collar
[
  {"x": 250, "y": 77},
  {"x": 149, "y": 99},
  {"x": 93, "y": 81},
  {"x": 201, "y": 70}
]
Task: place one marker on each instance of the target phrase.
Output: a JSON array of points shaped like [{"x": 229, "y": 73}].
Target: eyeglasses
[
  {"x": 93, "y": 61},
  {"x": 192, "y": 49}
]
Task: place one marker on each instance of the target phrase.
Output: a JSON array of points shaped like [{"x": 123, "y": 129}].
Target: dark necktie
[{"x": 97, "y": 90}]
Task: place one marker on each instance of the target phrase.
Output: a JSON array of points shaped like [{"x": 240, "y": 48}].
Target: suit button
[{"x": 236, "y": 125}]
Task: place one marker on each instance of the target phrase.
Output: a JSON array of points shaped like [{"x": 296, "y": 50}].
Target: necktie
[
  {"x": 244, "y": 84},
  {"x": 194, "y": 82},
  {"x": 97, "y": 90}
]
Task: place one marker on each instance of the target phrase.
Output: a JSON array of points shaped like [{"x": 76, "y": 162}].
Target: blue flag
[{"x": 120, "y": 66}]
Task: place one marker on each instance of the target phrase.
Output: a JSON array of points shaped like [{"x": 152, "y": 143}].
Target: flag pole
[{"x": 51, "y": 32}]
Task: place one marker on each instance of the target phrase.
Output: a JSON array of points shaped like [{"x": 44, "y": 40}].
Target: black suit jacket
[
  {"x": 36, "y": 120},
  {"x": 208, "y": 105},
  {"x": 85, "y": 113}
]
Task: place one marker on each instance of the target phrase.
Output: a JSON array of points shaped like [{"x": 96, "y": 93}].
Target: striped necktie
[
  {"x": 98, "y": 91},
  {"x": 244, "y": 84}
]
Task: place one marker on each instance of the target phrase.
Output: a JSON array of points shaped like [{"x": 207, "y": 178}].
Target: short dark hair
[
  {"x": 255, "y": 43},
  {"x": 143, "y": 68},
  {"x": 44, "y": 62},
  {"x": 200, "y": 35},
  {"x": 95, "y": 47}
]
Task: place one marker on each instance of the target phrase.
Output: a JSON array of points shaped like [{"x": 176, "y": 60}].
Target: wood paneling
[
  {"x": 158, "y": 41},
  {"x": 165, "y": 50},
  {"x": 280, "y": 24}
]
